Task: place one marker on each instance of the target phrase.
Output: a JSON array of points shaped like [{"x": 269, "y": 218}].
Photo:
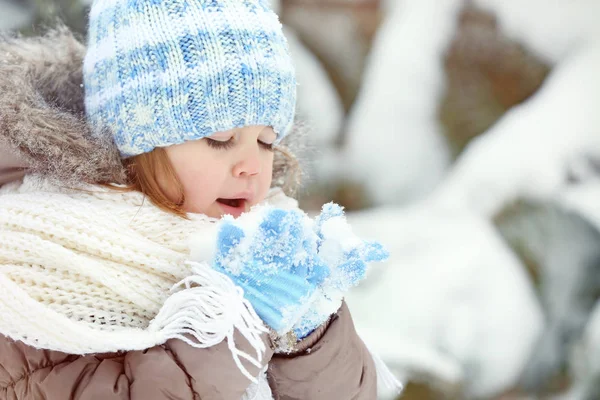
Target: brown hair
[
  {"x": 143, "y": 171},
  {"x": 142, "y": 176}
]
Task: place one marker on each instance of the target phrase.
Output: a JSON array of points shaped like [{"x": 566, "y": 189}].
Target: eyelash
[{"x": 215, "y": 144}]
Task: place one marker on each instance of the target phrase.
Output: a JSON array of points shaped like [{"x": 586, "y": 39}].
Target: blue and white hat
[{"x": 162, "y": 72}]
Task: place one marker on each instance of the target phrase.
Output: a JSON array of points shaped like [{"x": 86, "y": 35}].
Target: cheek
[
  {"x": 267, "y": 172},
  {"x": 200, "y": 187},
  {"x": 201, "y": 179}
]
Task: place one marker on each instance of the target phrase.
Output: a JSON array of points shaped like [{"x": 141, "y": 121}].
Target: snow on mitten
[
  {"x": 347, "y": 256},
  {"x": 272, "y": 255}
]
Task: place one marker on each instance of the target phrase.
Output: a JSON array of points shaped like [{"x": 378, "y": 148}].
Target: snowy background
[{"x": 464, "y": 135}]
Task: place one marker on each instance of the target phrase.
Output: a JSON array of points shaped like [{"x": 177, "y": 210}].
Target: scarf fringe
[
  {"x": 385, "y": 377},
  {"x": 209, "y": 309}
]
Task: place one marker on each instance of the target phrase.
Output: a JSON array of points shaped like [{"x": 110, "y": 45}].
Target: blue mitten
[
  {"x": 347, "y": 256},
  {"x": 272, "y": 255}
]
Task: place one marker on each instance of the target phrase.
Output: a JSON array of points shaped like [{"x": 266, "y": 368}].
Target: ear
[{"x": 11, "y": 166}]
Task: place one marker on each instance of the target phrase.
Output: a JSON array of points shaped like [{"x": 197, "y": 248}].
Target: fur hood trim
[{"x": 42, "y": 118}]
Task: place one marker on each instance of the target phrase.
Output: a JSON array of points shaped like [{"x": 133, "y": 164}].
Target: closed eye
[
  {"x": 224, "y": 145},
  {"x": 266, "y": 146},
  {"x": 217, "y": 144}
]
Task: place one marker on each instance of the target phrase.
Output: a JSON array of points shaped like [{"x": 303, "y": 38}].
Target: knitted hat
[{"x": 161, "y": 72}]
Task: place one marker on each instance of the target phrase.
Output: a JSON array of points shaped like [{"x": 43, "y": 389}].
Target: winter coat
[
  {"x": 43, "y": 131},
  {"x": 332, "y": 363}
]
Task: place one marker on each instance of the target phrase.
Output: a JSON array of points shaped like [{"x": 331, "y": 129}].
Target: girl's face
[{"x": 226, "y": 173}]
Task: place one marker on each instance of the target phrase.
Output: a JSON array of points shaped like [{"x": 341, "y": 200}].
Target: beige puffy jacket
[{"x": 332, "y": 363}]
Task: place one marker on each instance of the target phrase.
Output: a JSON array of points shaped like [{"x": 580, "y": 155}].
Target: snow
[
  {"x": 453, "y": 301},
  {"x": 394, "y": 117},
  {"x": 319, "y": 107},
  {"x": 316, "y": 261},
  {"x": 585, "y": 362},
  {"x": 535, "y": 147},
  {"x": 317, "y": 97},
  {"x": 552, "y": 29},
  {"x": 394, "y": 141},
  {"x": 332, "y": 34},
  {"x": 584, "y": 200},
  {"x": 563, "y": 245}
]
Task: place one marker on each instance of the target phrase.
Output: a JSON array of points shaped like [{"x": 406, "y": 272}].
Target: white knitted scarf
[{"x": 95, "y": 270}]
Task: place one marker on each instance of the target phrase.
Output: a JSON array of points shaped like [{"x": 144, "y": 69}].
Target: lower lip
[{"x": 233, "y": 211}]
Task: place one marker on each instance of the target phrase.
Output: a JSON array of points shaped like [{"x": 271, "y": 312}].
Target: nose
[{"x": 249, "y": 162}]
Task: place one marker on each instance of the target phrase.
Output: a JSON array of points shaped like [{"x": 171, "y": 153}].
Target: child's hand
[
  {"x": 347, "y": 256},
  {"x": 272, "y": 255}
]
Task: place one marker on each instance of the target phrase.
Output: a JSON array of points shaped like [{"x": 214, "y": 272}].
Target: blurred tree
[
  {"x": 14, "y": 14},
  {"x": 72, "y": 13},
  {"x": 560, "y": 249},
  {"x": 339, "y": 33},
  {"x": 487, "y": 74}
]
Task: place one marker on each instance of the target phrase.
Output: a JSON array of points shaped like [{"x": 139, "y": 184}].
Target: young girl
[{"x": 119, "y": 277}]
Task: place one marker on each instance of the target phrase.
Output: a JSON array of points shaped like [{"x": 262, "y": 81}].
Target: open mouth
[
  {"x": 235, "y": 203},
  {"x": 235, "y": 207}
]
